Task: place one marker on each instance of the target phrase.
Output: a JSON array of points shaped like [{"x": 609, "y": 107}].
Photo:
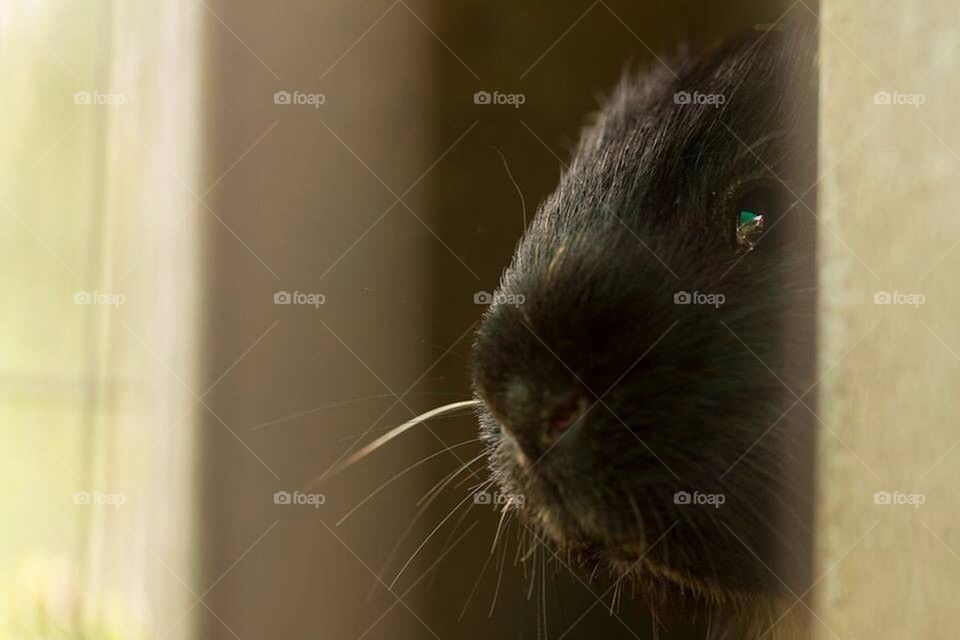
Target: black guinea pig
[{"x": 642, "y": 377}]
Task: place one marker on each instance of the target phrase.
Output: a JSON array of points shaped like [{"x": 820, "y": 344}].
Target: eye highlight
[
  {"x": 749, "y": 229},
  {"x": 761, "y": 214}
]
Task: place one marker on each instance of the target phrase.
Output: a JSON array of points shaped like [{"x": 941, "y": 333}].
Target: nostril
[
  {"x": 564, "y": 416},
  {"x": 533, "y": 418}
]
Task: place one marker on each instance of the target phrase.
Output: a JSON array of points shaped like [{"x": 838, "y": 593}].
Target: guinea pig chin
[{"x": 543, "y": 457}]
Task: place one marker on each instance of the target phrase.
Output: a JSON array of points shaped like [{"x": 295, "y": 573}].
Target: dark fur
[{"x": 653, "y": 187}]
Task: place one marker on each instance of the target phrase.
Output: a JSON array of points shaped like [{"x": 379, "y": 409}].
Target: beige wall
[
  {"x": 296, "y": 201},
  {"x": 889, "y": 402}
]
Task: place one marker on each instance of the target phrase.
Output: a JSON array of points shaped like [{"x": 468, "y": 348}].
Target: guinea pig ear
[{"x": 763, "y": 216}]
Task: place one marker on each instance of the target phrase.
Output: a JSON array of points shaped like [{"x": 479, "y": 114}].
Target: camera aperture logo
[
  {"x": 898, "y": 498},
  {"x": 297, "y": 297},
  {"x": 896, "y": 98},
  {"x": 99, "y": 98},
  {"x": 695, "y": 297},
  {"x": 696, "y": 498},
  {"x": 497, "y": 98},
  {"x": 299, "y": 499},
  {"x": 98, "y": 298},
  {"x": 499, "y": 297},
  {"x": 714, "y": 100},
  {"x": 498, "y": 499},
  {"x": 896, "y": 297},
  {"x": 98, "y": 498},
  {"x": 315, "y": 100}
]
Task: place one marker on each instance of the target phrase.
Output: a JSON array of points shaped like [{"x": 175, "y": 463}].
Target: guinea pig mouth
[
  {"x": 588, "y": 537},
  {"x": 571, "y": 518},
  {"x": 550, "y": 488}
]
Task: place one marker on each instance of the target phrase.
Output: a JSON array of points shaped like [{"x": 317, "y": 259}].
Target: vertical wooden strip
[{"x": 888, "y": 548}]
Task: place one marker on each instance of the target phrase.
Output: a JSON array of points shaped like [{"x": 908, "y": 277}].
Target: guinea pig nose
[
  {"x": 535, "y": 418},
  {"x": 563, "y": 416}
]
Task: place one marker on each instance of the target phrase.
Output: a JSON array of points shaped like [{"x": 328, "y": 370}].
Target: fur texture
[{"x": 667, "y": 398}]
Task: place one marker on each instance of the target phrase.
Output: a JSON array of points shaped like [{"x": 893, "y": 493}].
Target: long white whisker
[
  {"x": 496, "y": 591},
  {"x": 473, "y": 591},
  {"x": 393, "y": 433},
  {"x": 496, "y": 536},
  {"x": 411, "y": 467},
  {"x": 344, "y": 403},
  {"x": 434, "y": 493},
  {"x": 357, "y": 436},
  {"x": 533, "y": 573},
  {"x": 472, "y": 475},
  {"x": 435, "y": 529},
  {"x": 442, "y": 484}
]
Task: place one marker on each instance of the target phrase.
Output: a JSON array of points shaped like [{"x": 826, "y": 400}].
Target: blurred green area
[
  {"x": 46, "y": 603},
  {"x": 49, "y": 51},
  {"x": 46, "y": 198}
]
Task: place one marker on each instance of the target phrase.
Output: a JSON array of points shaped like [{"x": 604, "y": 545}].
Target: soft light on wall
[{"x": 99, "y": 132}]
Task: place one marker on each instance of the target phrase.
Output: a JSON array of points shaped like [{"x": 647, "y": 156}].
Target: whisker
[
  {"x": 526, "y": 556},
  {"x": 496, "y": 536},
  {"x": 456, "y": 526},
  {"x": 496, "y": 591},
  {"x": 486, "y": 564},
  {"x": 523, "y": 537},
  {"x": 473, "y": 591},
  {"x": 539, "y": 611},
  {"x": 523, "y": 202},
  {"x": 543, "y": 591},
  {"x": 344, "y": 403},
  {"x": 409, "y": 528},
  {"x": 533, "y": 573},
  {"x": 393, "y": 433},
  {"x": 466, "y": 479},
  {"x": 431, "y": 534},
  {"x": 356, "y": 436},
  {"x": 593, "y": 574},
  {"x": 411, "y": 467},
  {"x": 441, "y": 485}
]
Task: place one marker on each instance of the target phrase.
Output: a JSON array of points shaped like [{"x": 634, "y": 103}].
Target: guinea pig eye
[
  {"x": 759, "y": 217},
  {"x": 749, "y": 228}
]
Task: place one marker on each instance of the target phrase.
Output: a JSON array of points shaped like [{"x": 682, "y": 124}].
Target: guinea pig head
[{"x": 643, "y": 371}]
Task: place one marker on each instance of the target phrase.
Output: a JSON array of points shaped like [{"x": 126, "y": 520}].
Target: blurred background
[{"x": 242, "y": 240}]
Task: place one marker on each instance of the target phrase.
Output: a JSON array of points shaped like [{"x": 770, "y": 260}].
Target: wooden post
[{"x": 888, "y": 530}]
